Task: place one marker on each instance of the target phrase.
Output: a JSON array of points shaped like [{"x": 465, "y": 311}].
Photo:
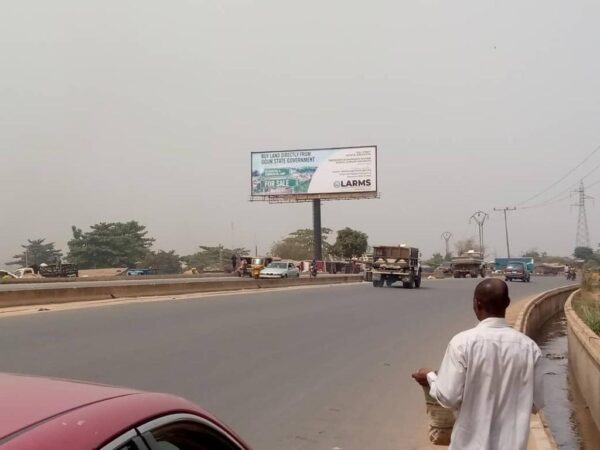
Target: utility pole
[
  {"x": 583, "y": 234},
  {"x": 480, "y": 217},
  {"x": 446, "y": 235},
  {"x": 505, "y": 210},
  {"x": 232, "y": 236}
]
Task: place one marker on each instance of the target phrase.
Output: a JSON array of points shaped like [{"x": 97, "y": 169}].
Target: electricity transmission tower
[
  {"x": 583, "y": 233},
  {"x": 446, "y": 235},
  {"x": 480, "y": 217}
]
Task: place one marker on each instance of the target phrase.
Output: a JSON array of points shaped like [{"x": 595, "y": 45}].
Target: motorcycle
[{"x": 313, "y": 270}]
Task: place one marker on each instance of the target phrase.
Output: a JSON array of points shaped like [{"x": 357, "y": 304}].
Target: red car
[{"x": 50, "y": 414}]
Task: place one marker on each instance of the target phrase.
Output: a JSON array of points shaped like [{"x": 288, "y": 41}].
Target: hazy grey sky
[{"x": 148, "y": 110}]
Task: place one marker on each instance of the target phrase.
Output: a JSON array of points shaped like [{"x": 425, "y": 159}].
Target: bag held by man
[{"x": 441, "y": 420}]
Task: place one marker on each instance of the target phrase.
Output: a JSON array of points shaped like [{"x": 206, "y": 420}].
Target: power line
[
  {"x": 596, "y": 150},
  {"x": 569, "y": 189}
]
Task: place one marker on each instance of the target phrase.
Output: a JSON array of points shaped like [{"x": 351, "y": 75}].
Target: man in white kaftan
[{"x": 490, "y": 376}]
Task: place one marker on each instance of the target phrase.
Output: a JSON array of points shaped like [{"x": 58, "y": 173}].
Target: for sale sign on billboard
[{"x": 330, "y": 171}]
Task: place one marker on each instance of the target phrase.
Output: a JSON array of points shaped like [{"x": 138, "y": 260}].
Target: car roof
[
  {"x": 55, "y": 414},
  {"x": 50, "y": 396}
]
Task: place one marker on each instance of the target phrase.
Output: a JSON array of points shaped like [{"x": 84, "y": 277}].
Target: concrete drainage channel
[
  {"x": 543, "y": 319},
  {"x": 50, "y": 295}
]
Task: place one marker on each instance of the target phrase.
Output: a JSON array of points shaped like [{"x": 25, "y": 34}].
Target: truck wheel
[
  {"x": 456, "y": 275},
  {"x": 409, "y": 284},
  {"x": 377, "y": 283},
  {"x": 418, "y": 281},
  {"x": 389, "y": 282}
]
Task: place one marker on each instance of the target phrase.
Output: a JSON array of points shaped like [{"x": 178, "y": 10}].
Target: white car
[
  {"x": 26, "y": 272},
  {"x": 280, "y": 269},
  {"x": 5, "y": 274}
]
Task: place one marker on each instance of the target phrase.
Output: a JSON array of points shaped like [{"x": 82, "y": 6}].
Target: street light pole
[{"x": 505, "y": 210}]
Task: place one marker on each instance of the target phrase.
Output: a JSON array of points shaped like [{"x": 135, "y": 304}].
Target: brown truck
[
  {"x": 470, "y": 263},
  {"x": 393, "y": 264}
]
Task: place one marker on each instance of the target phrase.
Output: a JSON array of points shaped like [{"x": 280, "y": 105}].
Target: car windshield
[
  {"x": 514, "y": 267},
  {"x": 277, "y": 265},
  {"x": 258, "y": 261}
]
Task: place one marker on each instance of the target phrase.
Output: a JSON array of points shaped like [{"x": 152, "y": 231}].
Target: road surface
[{"x": 304, "y": 368}]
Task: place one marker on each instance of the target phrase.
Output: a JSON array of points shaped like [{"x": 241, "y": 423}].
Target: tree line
[{"x": 127, "y": 244}]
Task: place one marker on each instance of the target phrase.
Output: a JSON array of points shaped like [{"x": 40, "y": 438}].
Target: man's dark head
[{"x": 491, "y": 299}]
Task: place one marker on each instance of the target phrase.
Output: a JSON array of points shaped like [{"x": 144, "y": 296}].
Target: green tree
[
  {"x": 299, "y": 245},
  {"x": 36, "y": 251},
  {"x": 532, "y": 253},
  {"x": 435, "y": 260},
  {"x": 109, "y": 244},
  {"x": 584, "y": 253},
  {"x": 350, "y": 243},
  {"x": 214, "y": 258},
  {"x": 164, "y": 262}
]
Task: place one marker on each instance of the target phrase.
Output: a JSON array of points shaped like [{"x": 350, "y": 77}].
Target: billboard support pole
[{"x": 317, "y": 234}]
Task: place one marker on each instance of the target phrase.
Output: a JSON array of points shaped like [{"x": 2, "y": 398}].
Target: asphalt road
[{"x": 303, "y": 368}]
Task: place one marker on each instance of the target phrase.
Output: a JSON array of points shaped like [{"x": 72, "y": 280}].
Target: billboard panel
[{"x": 330, "y": 171}]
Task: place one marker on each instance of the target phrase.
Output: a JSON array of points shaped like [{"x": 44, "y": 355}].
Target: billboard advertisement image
[{"x": 349, "y": 170}]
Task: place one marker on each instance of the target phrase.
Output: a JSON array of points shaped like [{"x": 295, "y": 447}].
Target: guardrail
[{"x": 11, "y": 298}]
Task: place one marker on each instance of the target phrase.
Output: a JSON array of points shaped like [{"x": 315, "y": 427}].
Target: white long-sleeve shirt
[{"x": 491, "y": 377}]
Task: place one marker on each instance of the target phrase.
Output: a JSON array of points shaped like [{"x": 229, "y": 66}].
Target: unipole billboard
[{"x": 330, "y": 173}]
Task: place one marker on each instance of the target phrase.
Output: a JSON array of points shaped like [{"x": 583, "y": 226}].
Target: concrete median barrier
[{"x": 50, "y": 295}]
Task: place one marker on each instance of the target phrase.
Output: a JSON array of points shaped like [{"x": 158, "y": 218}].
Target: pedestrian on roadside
[
  {"x": 243, "y": 266},
  {"x": 490, "y": 376},
  {"x": 234, "y": 262}
]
